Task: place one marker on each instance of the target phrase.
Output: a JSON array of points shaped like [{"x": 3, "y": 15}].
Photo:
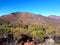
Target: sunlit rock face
[{"x": 49, "y": 41}]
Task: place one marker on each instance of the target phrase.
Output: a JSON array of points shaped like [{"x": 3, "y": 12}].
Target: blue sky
[{"x": 43, "y": 7}]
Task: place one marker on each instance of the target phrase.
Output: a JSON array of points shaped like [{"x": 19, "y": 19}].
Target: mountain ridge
[
  {"x": 54, "y": 17},
  {"x": 27, "y": 17}
]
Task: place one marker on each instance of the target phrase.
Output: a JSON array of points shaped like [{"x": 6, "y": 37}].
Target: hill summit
[{"x": 27, "y": 17}]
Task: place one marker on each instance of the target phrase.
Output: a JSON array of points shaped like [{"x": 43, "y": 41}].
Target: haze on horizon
[{"x": 43, "y": 7}]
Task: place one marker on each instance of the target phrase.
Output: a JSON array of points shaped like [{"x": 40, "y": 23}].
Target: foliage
[{"x": 34, "y": 30}]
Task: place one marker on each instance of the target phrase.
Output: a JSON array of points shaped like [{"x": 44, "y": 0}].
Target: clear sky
[{"x": 43, "y": 7}]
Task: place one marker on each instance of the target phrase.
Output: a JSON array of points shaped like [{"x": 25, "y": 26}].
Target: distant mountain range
[
  {"x": 54, "y": 17},
  {"x": 27, "y": 17}
]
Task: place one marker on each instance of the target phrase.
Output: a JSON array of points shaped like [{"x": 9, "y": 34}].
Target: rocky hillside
[{"x": 27, "y": 17}]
